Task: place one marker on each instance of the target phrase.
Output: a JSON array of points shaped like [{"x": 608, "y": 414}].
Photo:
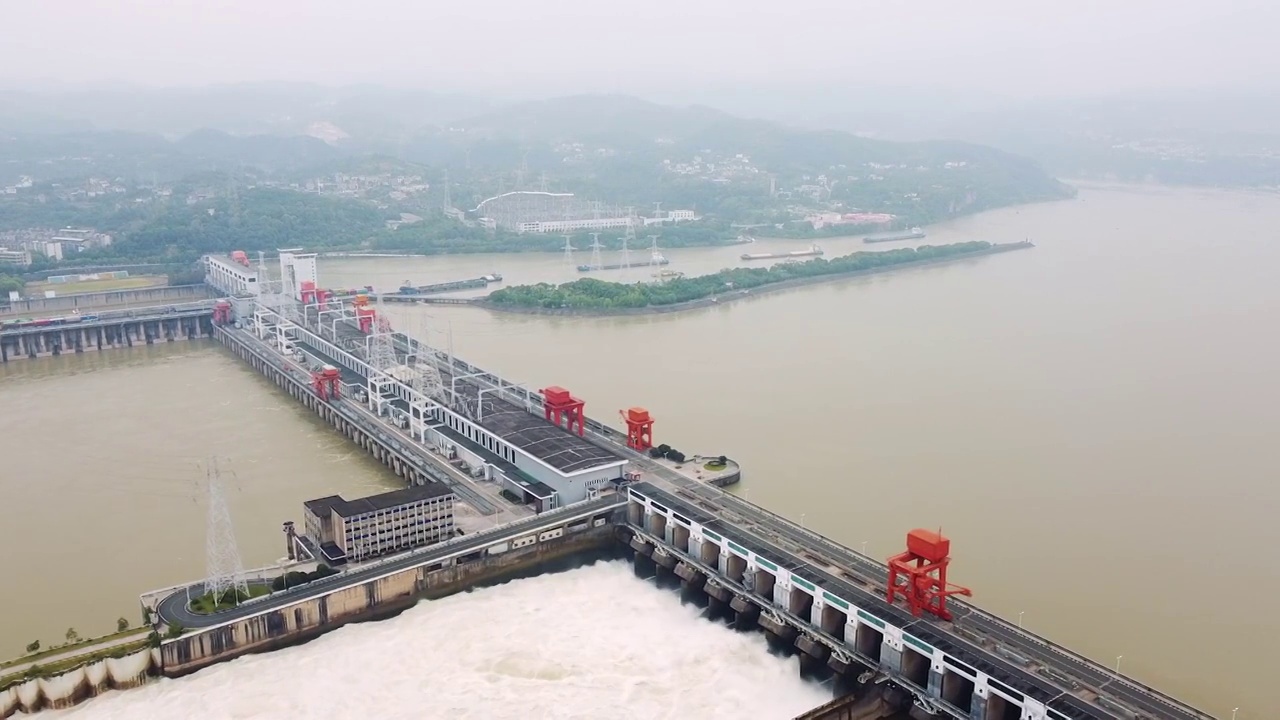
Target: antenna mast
[{"x": 222, "y": 556}]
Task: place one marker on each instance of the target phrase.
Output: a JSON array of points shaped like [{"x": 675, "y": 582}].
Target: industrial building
[
  {"x": 231, "y": 274},
  {"x": 535, "y": 459},
  {"x": 355, "y": 530}
]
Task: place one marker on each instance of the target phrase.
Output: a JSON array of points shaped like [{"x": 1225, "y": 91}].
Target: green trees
[
  {"x": 593, "y": 294},
  {"x": 72, "y": 636},
  {"x": 122, "y": 625},
  {"x": 33, "y": 646}
]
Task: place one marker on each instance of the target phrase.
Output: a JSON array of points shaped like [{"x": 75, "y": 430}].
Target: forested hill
[{"x": 333, "y": 176}]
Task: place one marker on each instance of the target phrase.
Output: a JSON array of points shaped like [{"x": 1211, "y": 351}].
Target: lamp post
[
  {"x": 864, "y": 547},
  {"x": 1118, "y": 662},
  {"x": 1233, "y": 713},
  {"x": 801, "y": 519},
  {"x": 1020, "y": 614}
]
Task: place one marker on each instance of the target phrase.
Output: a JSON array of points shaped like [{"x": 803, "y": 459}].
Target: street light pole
[
  {"x": 1020, "y": 614},
  {"x": 1118, "y": 662},
  {"x": 864, "y": 547},
  {"x": 1233, "y": 713},
  {"x": 801, "y": 519}
]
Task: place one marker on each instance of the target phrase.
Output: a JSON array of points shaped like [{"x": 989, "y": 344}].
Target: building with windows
[
  {"x": 355, "y": 530},
  {"x": 230, "y": 275}
]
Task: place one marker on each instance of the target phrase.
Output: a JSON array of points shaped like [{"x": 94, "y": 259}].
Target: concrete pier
[{"x": 104, "y": 332}]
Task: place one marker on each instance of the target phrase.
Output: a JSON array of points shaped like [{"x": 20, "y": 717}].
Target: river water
[{"x": 1090, "y": 421}]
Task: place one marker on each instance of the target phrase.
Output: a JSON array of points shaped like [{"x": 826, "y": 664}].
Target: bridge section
[
  {"x": 116, "y": 328},
  {"x": 834, "y": 617}
]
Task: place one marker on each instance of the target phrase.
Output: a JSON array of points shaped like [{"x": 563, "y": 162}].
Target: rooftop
[
  {"x": 553, "y": 445},
  {"x": 347, "y": 508},
  {"x": 557, "y": 447},
  {"x": 535, "y": 487}
]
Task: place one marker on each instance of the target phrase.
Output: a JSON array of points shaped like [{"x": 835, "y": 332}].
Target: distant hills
[{"x": 614, "y": 148}]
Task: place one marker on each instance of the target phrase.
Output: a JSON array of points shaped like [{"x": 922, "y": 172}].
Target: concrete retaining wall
[
  {"x": 73, "y": 686},
  {"x": 373, "y": 600}
]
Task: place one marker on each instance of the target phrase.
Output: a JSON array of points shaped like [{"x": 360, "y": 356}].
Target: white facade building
[
  {"x": 230, "y": 276},
  {"x": 560, "y": 226}
]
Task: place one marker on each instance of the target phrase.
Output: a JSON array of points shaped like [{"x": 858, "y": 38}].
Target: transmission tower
[
  {"x": 655, "y": 255},
  {"x": 222, "y": 557},
  {"x": 382, "y": 349},
  {"x": 628, "y": 239},
  {"x": 425, "y": 381},
  {"x": 568, "y": 250},
  {"x": 596, "y": 264},
  {"x": 626, "y": 253}
]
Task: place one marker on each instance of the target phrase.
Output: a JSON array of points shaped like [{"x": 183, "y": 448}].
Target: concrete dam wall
[
  {"x": 79, "y": 684},
  {"x": 376, "y": 599},
  {"x": 106, "y": 300}
]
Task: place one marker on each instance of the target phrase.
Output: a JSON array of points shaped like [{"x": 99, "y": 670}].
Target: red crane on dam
[
  {"x": 639, "y": 428},
  {"x": 919, "y": 575}
]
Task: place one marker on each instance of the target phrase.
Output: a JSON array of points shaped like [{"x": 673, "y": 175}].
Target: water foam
[{"x": 582, "y": 645}]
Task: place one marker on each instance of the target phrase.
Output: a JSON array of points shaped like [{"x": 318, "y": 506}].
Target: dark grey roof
[
  {"x": 320, "y": 507},
  {"x": 348, "y": 508},
  {"x": 557, "y": 447}
]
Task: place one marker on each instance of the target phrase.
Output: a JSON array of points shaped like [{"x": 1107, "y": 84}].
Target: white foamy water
[{"x": 592, "y": 643}]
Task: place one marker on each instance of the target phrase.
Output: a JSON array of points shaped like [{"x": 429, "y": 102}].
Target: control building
[
  {"x": 355, "y": 530},
  {"x": 231, "y": 274}
]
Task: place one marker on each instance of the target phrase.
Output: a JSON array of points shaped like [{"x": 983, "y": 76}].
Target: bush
[
  {"x": 122, "y": 625},
  {"x": 33, "y": 646},
  {"x": 175, "y": 630},
  {"x": 675, "y": 456}
]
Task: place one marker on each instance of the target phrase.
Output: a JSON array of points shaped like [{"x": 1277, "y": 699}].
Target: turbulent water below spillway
[{"x": 591, "y": 643}]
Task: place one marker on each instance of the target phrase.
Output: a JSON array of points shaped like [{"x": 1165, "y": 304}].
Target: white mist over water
[{"x": 592, "y": 643}]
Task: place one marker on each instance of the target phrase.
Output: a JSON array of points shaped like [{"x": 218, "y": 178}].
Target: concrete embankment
[
  {"x": 78, "y": 684},
  {"x": 380, "y": 598},
  {"x": 728, "y": 297}
]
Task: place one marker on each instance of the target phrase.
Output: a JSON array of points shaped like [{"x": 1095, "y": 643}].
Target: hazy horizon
[{"x": 673, "y": 51}]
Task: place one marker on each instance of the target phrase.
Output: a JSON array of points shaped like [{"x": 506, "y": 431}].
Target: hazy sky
[{"x": 1015, "y": 47}]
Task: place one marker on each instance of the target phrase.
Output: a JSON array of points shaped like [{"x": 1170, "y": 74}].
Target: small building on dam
[{"x": 339, "y": 530}]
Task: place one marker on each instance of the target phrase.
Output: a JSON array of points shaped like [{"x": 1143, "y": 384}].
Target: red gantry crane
[{"x": 919, "y": 575}]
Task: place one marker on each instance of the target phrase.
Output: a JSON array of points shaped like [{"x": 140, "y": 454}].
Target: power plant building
[{"x": 355, "y": 530}]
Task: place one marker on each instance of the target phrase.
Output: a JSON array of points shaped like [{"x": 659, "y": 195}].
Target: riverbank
[{"x": 731, "y": 296}]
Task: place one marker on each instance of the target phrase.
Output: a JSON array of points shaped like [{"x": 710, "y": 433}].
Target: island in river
[{"x": 590, "y": 296}]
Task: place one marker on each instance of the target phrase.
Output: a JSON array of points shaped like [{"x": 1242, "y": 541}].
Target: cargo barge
[
  {"x": 813, "y": 251},
  {"x": 482, "y": 281},
  {"x": 657, "y": 259},
  {"x": 914, "y": 233}
]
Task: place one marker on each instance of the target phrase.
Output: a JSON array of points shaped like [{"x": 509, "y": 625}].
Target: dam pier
[{"x": 549, "y": 486}]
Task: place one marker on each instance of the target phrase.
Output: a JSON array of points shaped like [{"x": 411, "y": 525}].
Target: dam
[{"x": 810, "y": 595}]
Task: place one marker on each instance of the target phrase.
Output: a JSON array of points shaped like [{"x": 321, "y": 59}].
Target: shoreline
[{"x": 741, "y": 294}]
